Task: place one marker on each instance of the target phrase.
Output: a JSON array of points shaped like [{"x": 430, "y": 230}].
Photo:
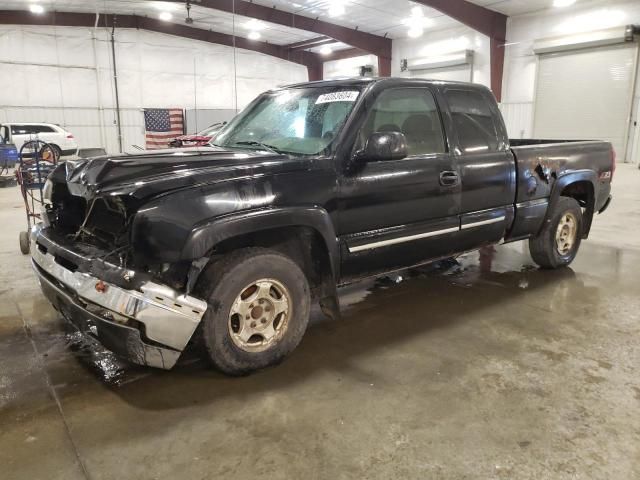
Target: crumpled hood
[{"x": 157, "y": 171}]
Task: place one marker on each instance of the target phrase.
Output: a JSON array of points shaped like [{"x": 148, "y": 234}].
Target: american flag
[{"x": 162, "y": 125}]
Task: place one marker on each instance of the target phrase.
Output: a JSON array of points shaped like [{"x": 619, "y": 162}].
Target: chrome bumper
[{"x": 169, "y": 317}]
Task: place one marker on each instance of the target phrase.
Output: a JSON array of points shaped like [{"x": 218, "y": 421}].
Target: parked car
[
  {"x": 62, "y": 141},
  {"x": 199, "y": 139},
  {"x": 311, "y": 187}
]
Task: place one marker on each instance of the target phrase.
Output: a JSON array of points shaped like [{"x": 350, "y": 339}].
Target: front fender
[{"x": 207, "y": 235}]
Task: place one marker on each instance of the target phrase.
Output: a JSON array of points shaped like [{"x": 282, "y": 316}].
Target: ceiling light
[
  {"x": 166, "y": 16},
  {"x": 254, "y": 35},
  {"x": 336, "y": 8},
  {"x": 35, "y": 8},
  {"x": 563, "y": 3},
  {"x": 417, "y": 22},
  {"x": 254, "y": 25},
  {"x": 326, "y": 50}
]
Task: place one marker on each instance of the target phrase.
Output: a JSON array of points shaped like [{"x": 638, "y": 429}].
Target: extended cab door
[
  {"x": 485, "y": 163},
  {"x": 397, "y": 213}
]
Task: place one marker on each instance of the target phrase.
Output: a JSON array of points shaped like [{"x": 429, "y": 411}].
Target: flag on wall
[{"x": 162, "y": 125}]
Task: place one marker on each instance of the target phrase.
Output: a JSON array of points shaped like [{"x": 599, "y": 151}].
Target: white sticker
[{"x": 346, "y": 96}]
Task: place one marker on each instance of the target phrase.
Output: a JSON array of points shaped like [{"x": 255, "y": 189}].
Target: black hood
[{"x": 158, "y": 171}]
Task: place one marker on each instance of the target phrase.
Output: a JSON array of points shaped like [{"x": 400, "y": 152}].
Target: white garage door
[
  {"x": 586, "y": 94},
  {"x": 457, "y": 74}
]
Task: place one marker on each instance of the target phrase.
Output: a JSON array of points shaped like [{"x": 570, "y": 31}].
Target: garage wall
[
  {"x": 520, "y": 73},
  {"x": 349, "y": 67},
  {"x": 64, "y": 75},
  {"x": 442, "y": 42}
]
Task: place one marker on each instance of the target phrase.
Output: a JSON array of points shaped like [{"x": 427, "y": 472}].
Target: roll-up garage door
[
  {"x": 462, "y": 73},
  {"x": 586, "y": 94}
]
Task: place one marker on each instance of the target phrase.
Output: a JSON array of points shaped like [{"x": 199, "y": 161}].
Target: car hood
[{"x": 158, "y": 171}]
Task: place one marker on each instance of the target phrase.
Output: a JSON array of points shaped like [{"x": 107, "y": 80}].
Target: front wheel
[
  {"x": 557, "y": 244},
  {"x": 259, "y": 302}
]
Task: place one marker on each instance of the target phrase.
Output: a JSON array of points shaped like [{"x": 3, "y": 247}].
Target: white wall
[
  {"x": 64, "y": 75},
  {"x": 442, "y": 42},
  {"x": 520, "y": 61},
  {"x": 349, "y": 67}
]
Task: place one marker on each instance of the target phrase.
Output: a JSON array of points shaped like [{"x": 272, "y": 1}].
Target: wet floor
[{"x": 484, "y": 367}]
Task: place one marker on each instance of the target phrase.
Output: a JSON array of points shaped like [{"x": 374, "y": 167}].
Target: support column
[
  {"x": 384, "y": 67},
  {"x": 497, "y": 66}
]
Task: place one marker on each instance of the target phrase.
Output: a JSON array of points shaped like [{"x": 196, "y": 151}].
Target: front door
[{"x": 398, "y": 213}]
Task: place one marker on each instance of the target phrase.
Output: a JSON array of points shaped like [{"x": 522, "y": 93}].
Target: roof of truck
[{"x": 360, "y": 81}]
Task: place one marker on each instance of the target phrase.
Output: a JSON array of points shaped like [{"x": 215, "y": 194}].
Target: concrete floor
[{"x": 486, "y": 369}]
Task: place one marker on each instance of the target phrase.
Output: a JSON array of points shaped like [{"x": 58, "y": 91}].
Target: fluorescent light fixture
[
  {"x": 254, "y": 35},
  {"x": 166, "y": 16},
  {"x": 326, "y": 50},
  {"x": 254, "y": 25},
  {"x": 35, "y": 8},
  {"x": 563, "y": 3},
  {"x": 336, "y": 8},
  {"x": 415, "y": 32}
]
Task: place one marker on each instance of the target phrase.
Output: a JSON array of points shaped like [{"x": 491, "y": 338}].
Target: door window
[
  {"x": 412, "y": 111},
  {"x": 473, "y": 120}
]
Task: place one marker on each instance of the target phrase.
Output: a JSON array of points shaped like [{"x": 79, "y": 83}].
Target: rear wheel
[
  {"x": 258, "y": 311},
  {"x": 558, "y": 242}
]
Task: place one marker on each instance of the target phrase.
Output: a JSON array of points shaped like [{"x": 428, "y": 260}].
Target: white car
[{"x": 59, "y": 139}]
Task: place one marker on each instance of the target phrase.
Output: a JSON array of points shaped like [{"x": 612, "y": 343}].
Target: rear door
[
  {"x": 486, "y": 166},
  {"x": 398, "y": 213}
]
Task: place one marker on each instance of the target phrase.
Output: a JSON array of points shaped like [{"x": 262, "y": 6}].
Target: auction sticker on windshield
[{"x": 347, "y": 96}]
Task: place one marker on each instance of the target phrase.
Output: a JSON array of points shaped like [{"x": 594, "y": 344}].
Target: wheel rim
[
  {"x": 260, "y": 315},
  {"x": 566, "y": 233}
]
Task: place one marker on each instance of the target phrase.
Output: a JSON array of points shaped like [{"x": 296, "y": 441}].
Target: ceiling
[{"x": 380, "y": 17}]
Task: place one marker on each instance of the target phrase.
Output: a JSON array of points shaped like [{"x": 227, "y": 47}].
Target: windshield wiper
[{"x": 254, "y": 143}]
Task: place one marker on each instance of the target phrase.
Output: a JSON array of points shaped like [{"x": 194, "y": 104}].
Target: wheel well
[
  {"x": 584, "y": 194},
  {"x": 304, "y": 245}
]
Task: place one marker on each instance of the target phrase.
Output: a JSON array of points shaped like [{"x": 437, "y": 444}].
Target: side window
[
  {"x": 42, "y": 129},
  {"x": 4, "y": 134},
  {"x": 21, "y": 130},
  {"x": 412, "y": 111},
  {"x": 473, "y": 121}
]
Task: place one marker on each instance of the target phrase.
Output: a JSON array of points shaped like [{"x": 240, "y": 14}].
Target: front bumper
[{"x": 148, "y": 326}]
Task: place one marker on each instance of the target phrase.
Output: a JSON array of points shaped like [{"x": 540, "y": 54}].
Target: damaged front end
[{"x": 84, "y": 261}]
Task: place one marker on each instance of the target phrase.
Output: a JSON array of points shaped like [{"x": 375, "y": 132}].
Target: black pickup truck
[{"x": 311, "y": 187}]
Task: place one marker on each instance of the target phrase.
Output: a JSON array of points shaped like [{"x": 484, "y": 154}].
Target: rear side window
[
  {"x": 43, "y": 129},
  {"x": 412, "y": 111},
  {"x": 473, "y": 121}
]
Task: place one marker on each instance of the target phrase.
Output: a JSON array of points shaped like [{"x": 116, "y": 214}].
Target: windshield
[{"x": 298, "y": 121}]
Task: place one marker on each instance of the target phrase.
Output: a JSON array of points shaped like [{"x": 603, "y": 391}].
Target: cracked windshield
[{"x": 299, "y": 121}]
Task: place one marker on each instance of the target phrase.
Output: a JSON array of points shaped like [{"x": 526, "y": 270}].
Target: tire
[
  {"x": 550, "y": 249},
  {"x": 234, "y": 285},
  {"x": 24, "y": 243},
  {"x": 57, "y": 152}
]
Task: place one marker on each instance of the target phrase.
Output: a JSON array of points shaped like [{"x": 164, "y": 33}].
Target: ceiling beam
[
  {"x": 489, "y": 23},
  {"x": 75, "y": 19},
  {"x": 374, "y": 44},
  {"x": 311, "y": 43}
]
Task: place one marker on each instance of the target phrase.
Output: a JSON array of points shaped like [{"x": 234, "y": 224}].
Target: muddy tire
[
  {"x": 24, "y": 242},
  {"x": 259, "y": 302},
  {"x": 557, "y": 244}
]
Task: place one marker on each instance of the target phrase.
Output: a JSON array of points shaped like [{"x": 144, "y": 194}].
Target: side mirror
[{"x": 383, "y": 146}]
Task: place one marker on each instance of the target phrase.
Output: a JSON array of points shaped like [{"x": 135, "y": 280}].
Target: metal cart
[{"x": 37, "y": 160}]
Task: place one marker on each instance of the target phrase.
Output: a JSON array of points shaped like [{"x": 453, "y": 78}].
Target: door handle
[{"x": 449, "y": 178}]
